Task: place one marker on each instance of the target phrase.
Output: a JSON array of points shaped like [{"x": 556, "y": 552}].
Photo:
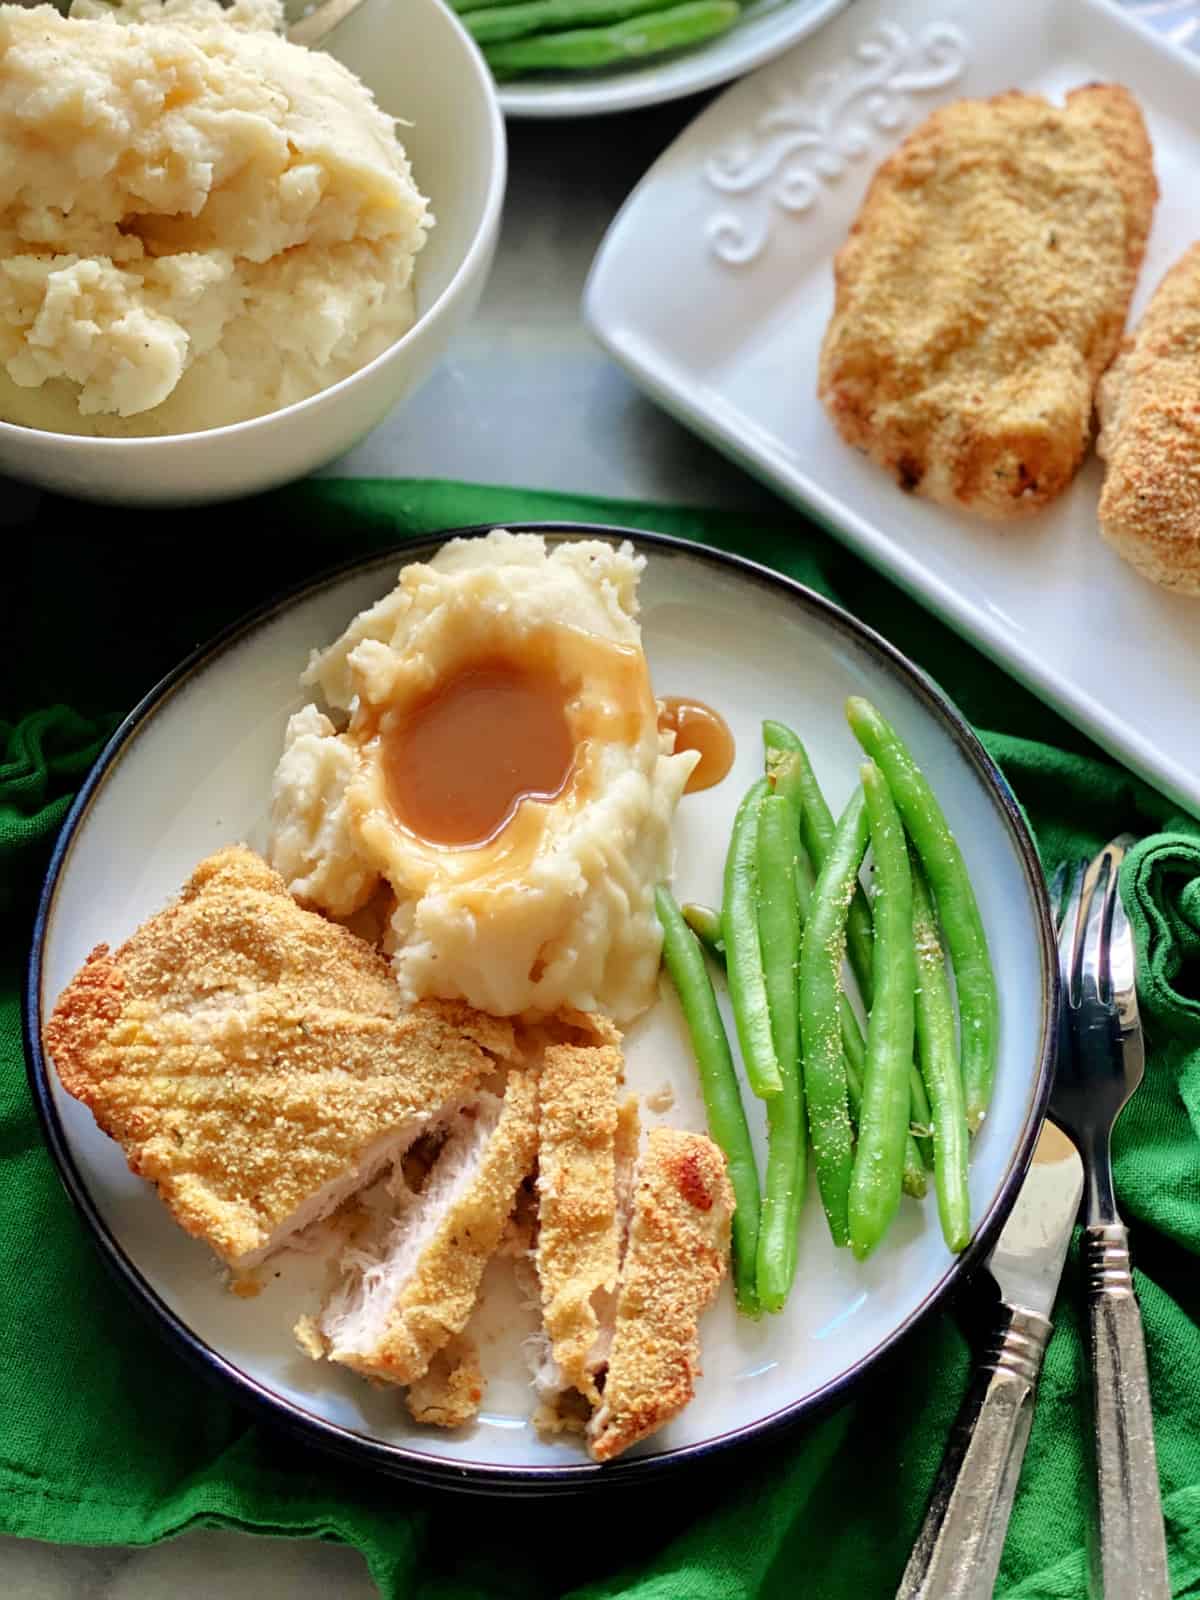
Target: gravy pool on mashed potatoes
[
  {"x": 199, "y": 222},
  {"x": 501, "y": 768}
]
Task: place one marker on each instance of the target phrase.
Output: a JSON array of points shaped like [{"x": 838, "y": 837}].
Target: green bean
[
  {"x": 719, "y": 1084},
  {"x": 492, "y": 23},
  {"x": 785, "y": 766},
  {"x": 816, "y": 825},
  {"x": 822, "y": 950},
  {"x": 879, "y": 1157},
  {"x": 938, "y": 1044},
  {"x": 779, "y": 933},
  {"x": 648, "y": 35},
  {"x": 743, "y": 952},
  {"x": 705, "y": 923},
  {"x": 957, "y": 908},
  {"x": 791, "y": 772}
]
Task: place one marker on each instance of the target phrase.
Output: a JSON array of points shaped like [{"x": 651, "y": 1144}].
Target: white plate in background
[
  {"x": 768, "y": 28},
  {"x": 190, "y": 771},
  {"x": 714, "y": 285}
]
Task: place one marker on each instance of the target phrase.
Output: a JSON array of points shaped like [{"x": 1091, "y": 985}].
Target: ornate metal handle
[
  {"x": 1132, "y": 1545},
  {"x": 957, "y": 1553}
]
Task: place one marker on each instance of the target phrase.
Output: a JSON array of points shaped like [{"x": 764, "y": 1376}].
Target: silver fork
[{"x": 1101, "y": 1062}]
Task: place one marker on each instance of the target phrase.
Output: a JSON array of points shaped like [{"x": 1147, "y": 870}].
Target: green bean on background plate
[
  {"x": 957, "y": 908},
  {"x": 875, "y": 1184},
  {"x": 779, "y": 936},
  {"x": 719, "y": 1085},
  {"x": 792, "y": 775},
  {"x": 743, "y": 951},
  {"x": 585, "y": 48},
  {"x": 492, "y": 23},
  {"x": 937, "y": 1044},
  {"x": 822, "y": 950}
]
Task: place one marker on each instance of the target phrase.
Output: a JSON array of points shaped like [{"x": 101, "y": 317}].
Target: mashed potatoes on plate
[
  {"x": 498, "y": 772},
  {"x": 199, "y": 222}
]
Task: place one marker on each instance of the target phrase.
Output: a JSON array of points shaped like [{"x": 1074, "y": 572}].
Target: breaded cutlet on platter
[
  {"x": 1149, "y": 405},
  {"x": 982, "y": 292}
]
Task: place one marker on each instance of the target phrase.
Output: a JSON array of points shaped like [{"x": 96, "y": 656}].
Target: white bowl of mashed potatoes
[{"x": 224, "y": 258}]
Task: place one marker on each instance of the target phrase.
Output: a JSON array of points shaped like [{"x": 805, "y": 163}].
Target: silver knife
[{"x": 957, "y": 1553}]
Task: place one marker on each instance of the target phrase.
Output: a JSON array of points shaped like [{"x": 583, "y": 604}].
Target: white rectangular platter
[{"x": 714, "y": 285}]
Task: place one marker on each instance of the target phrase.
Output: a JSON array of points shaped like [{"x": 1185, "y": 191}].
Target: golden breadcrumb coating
[
  {"x": 1149, "y": 405},
  {"x": 567, "y": 1409},
  {"x": 578, "y": 1250},
  {"x": 439, "y": 1294},
  {"x": 983, "y": 290},
  {"x": 248, "y": 1055},
  {"x": 678, "y": 1247},
  {"x": 450, "y": 1393}
]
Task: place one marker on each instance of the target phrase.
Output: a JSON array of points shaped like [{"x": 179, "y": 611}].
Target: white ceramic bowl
[{"x": 422, "y": 66}]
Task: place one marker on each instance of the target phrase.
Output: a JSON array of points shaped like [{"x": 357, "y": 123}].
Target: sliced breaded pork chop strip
[
  {"x": 1149, "y": 405},
  {"x": 250, "y": 1059},
  {"x": 676, "y": 1258},
  {"x": 406, "y": 1295},
  {"x": 578, "y": 1249}
]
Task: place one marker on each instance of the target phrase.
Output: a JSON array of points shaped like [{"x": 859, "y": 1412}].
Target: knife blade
[
  {"x": 1028, "y": 1257},
  {"x": 957, "y": 1553}
]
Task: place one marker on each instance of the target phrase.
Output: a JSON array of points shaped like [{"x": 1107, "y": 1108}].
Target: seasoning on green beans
[
  {"x": 821, "y": 952},
  {"x": 957, "y": 908},
  {"x": 705, "y": 924},
  {"x": 792, "y": 776},
  {"x": 642, "y": 36},
  {"x": 779, "y": 936},
  {"x": 816, "y": 830},
  {"x": 719, "y": 1085},
  {"x": 937, "y": 1042},
  {"x": 743, "y": 951},
  {"x": 489, "y": 24},
  {"x": 883, "y": 1120}
]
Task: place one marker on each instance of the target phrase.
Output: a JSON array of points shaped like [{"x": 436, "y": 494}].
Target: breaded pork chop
[
  {"x": 674, "y": 1263},
  {"x": 1149, "y": 404},
  {"x": 983, "y": 290},
  {"x": 579, "y": 1239},
  {"x": 413, "y": 1287},
  {"x": 251, "y": 1060}
]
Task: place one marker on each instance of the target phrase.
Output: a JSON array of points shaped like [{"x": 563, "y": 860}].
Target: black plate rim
[{"x": 488, "y": 1478}]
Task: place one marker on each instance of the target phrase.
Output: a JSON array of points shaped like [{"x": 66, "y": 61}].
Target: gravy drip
[{"x": 698, "y": 727}]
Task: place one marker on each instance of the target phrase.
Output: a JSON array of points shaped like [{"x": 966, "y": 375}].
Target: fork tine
[
  {"x": 1057, "y": 888},
  {"x": 1095, "y": 952},
  {"x": 1069, "y": 931}
]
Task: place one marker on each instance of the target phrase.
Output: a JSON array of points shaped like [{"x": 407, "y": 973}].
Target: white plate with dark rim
[
  {"x": 714, "y": 285},
  {"x": 190, "y": 770},
  {"x": 767, "y": 29}
]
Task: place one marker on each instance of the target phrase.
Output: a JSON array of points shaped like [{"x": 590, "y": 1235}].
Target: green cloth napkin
[{"x": 107, "y": 1436}]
